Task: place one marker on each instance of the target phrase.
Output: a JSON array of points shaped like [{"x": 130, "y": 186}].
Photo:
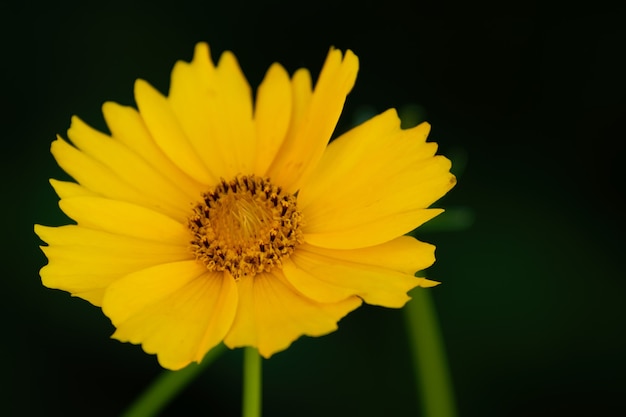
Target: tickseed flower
[{"x": 208, "y": 216}]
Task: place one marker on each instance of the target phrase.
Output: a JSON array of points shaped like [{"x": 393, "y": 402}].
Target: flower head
[{"x": 208, "y": 216}]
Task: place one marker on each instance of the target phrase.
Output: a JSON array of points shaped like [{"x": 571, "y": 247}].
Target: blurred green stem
[
  {"x": 429, "y": 359},
  {"x": 251, "y": 383},
  {"x": 168, "y": 385}
]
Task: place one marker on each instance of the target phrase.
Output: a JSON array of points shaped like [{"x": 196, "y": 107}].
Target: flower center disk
[{"x": 245, "y": 226}]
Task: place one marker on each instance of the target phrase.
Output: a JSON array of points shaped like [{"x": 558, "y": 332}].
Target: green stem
[
  {"x": 167, "y": 386},
  {"x": 429, "y": 358},
  {"x": 251, "y": 383}
]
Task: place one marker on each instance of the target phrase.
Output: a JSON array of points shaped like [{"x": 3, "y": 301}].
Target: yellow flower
[{"x": 205, "y": 217}]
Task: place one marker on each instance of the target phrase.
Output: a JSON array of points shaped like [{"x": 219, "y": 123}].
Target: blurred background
[{"x": 531, "y": 107}]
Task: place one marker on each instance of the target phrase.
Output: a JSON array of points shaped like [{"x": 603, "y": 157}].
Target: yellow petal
[
  {"x": 272, "y": 314},
  {"x": 380, "y": 275},
  {"x": 130, "y": 168},
  {"x": 73, "y": 235},
  {"x": 167, "y": 132},
  {"x": 403, "y": 254},
  {"x": 94, "y": 176},
  {"x": 305, "y": 142},
  {"x": 178, "y": 311},
  {"x": 272, "y": 114},
  {"x": 234, "y": 112},
  {"x": 84, "y": 261},
  {"x": 363, "y": 231},
  {"x": 127, "y": 127},
  {"x": 393, "y": 177},
  {"x": 214, "y": 108},
  {"x": 124, "y": 219}
]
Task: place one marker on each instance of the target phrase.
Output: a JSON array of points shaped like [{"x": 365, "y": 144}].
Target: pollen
[{"x": 245, "y": 226}]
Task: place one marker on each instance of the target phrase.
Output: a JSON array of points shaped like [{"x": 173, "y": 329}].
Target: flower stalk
[
  {"x": 251, "y": 406},
  {"x": 430, "y": 366}
]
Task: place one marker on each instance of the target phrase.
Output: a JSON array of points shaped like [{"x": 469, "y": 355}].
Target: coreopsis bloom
[{"x": 208, "y": 216}]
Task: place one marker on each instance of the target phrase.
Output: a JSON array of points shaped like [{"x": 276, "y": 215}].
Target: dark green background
[{"x": 532, "y": 304}]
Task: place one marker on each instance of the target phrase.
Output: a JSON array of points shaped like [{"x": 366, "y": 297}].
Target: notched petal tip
[
  {"x": 351, "y": 59},
  {"x": 55, "y": 143},
  {"x": 347, "y": 55},
  {"x": 343, "y": 66},
  {"x": 202, "y": 51},
  {"x": 143, "y": 87},
  {"x": 41, "y": 231},
  {"x": 422, "y": 129}
]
